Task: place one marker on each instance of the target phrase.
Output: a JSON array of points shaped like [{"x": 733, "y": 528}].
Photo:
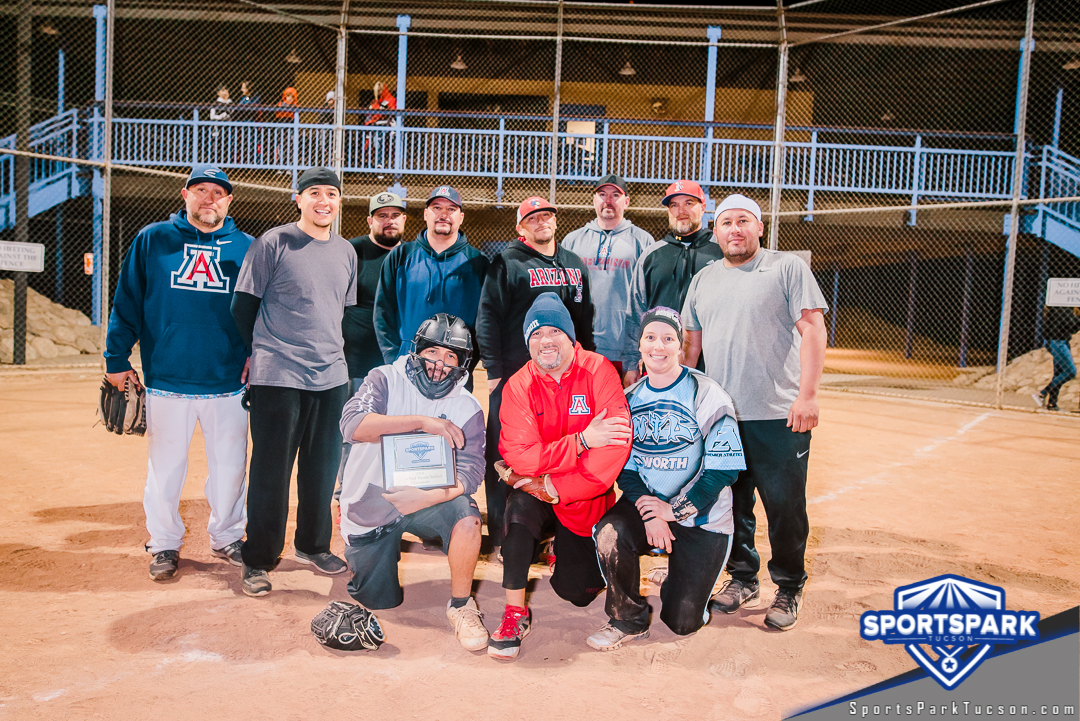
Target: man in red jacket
[{"x": 565, "y": 437}]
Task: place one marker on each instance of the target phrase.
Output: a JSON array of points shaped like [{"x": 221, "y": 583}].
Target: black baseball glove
[
  {"x": 122, "y": 411},
  {"x": 347, "y": 627}
]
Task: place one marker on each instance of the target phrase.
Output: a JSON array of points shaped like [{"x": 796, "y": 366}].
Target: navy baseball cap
[
  {"x": 447, "y": 192},
  {"x": 206, "y": 173}
]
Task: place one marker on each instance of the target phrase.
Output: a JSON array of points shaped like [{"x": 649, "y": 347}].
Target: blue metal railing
[
  {"x": 501, "y": 152},
  {"x": 56, "y": 136},
  {"x": 1060, "y": 178}
]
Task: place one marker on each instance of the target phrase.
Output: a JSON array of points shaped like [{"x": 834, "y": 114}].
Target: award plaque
[{"x": 419, "y": 460}]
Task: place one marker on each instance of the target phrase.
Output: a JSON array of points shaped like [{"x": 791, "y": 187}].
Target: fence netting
[{"x": 848, "y": 121}]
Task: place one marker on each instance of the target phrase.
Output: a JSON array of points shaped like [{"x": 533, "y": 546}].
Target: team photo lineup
[{"x": 642, "y": 395}]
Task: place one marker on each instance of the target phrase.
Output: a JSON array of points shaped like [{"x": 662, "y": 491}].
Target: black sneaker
[
  {"x": 230, "y": 553},
  {"x": 328, "y": 563},
  {"x": 735, "y": 594},
  {"x": 164, "y": 565},
  {"x": 256, "y": 582},
  {"x": 784, "y": 613}
]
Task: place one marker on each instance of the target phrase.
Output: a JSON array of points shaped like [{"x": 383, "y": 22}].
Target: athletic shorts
[{"x": 373, "y": 556}]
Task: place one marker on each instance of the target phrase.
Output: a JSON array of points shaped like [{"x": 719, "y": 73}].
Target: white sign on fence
[
  {"x": 1063, "y": 292},
  {"x": 27, "y": 257}
]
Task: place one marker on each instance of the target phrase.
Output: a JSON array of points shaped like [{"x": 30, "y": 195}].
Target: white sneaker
[
  {"x": 609, "y": 638},
  {"x": 468, "y": 626}
]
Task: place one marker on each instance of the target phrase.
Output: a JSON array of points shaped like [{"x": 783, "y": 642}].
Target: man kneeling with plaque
[{"x": 418, "y": 458}]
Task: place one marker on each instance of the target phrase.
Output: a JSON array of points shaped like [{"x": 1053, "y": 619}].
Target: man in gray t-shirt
[
  {"x": 290, "y": 297},
  {"x": 758, "y": 316}
]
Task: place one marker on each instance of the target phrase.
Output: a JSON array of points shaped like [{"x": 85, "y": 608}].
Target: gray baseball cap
[{"x": 385, "y": 200}]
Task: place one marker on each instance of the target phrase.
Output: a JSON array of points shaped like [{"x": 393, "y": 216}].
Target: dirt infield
[{"x": 899, "y": 491}]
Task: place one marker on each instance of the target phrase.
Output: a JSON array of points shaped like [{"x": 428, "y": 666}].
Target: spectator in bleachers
[
  {"x": 383, "y": 101},
  {"x": 287, "y": 104},
  {"x": 218, "y": 112}
]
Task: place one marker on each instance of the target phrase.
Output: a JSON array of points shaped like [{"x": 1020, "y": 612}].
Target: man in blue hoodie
[
  {"x": 173, "y": 298},
  {"x": 437, "y": 273}
]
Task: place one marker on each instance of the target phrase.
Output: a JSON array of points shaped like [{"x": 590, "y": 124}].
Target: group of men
[{"x": 683, "y": 371}]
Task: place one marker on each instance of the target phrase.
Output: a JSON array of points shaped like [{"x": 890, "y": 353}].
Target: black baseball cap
[
  {"x": 611, "y": 179},
  {"x": 317, "y": 176}
]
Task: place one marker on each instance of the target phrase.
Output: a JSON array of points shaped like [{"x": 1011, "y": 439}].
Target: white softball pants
[{"x": 170, "y": 423}]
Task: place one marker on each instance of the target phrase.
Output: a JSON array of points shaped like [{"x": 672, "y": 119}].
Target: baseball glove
[
  {"x": 347, "y": 627},
  {"x": 539, "y": 487},
  {"x": 122, "y": 411}
]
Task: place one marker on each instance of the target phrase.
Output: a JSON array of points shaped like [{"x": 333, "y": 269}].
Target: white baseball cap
[{"x": 740, "y": 202}]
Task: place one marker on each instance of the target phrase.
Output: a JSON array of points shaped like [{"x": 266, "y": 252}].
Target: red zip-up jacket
[{"x": 540, "y": 422}]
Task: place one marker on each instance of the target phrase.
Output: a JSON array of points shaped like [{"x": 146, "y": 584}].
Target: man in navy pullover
[
  {"x": 173, "y": 298},
  {"x": 439, "y": 272}
]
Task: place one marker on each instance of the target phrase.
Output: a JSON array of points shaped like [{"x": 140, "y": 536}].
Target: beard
[
  {"x": 737, "y": 257},
  {"x": 683, "y": 227},
  {"x": 553, "y": 364},
  {"x": 389, "y": 236},
  {"x": 208, "y": 216}
]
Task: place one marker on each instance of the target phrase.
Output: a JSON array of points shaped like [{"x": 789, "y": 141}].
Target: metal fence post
[
  {"x": 23, "y": 40},
  {"x": 812, "y": 177},
  {"x": 106, "y": 185},
  {"x": 59, "y": 258},
  {"x": 500, "y": 169},
  {"x": 965, "y": 308},
  {"x": 1014, "y": 218},
  {"x": 916, "y": 179},
  {"x": 97, "y": 153},
  {"x": 713, "y": 32},
  {"x": 339, "y": 102},
  {"x": 404, "y": 22},
  {"x": 778, "y": 132},
  {"x": 295, "y": 146},
  {"x": 834, "y": 311},
  {"x": 555, "y": 107}
]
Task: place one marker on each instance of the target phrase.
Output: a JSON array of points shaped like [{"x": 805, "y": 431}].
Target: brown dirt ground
[{"x": 899, "y": 491}]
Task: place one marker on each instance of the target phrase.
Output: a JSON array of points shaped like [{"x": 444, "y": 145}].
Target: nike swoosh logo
[
  {"x": 539, "y": 413},
  {"x": 800, "y": 455},
  {"x": 222, "y": 242}
]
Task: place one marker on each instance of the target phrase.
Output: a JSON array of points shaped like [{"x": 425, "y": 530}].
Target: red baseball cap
[
  {"x": 684, "y": 187},
  {"x": 533, "y": 205}
]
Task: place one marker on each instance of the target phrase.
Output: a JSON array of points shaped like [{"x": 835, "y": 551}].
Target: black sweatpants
[
  {"x": 495, "y": 490},
  {"x": 694, "y": 564},
  {"x": 287, "y": 423},
  {"x": 776, "y": 462},
  {"x": 576, "y": 577}
]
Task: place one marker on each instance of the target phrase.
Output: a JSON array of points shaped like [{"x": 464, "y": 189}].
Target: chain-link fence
[{"x": 896, "y": 145}]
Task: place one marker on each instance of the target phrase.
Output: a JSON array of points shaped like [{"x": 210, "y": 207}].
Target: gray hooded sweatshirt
[{"x": 609, "y": 256}]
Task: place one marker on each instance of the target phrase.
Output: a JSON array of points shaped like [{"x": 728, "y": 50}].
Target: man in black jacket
[
  {"x": 664, "y": 271},
  {"x": 386, "y": 219},
  {"x": 533, "y": 265}
]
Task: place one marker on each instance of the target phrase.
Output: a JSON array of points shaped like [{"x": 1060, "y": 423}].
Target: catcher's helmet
[{"x": 446, "y": 331}]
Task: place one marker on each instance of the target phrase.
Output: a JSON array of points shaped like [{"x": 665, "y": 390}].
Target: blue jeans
[{"x": 1064, "y": 369}]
